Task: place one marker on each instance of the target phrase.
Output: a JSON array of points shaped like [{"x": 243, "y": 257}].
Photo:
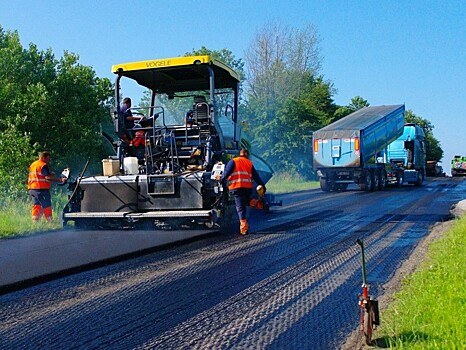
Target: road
[{"x": 291, "y": 284}]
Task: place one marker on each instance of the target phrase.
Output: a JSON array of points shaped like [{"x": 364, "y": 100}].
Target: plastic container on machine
[
  {"x": 110, "y": 167},
  {"x": 130, "y": 165}
]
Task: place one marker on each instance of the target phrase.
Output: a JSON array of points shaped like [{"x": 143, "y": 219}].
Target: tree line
[{"x": 60, "y": 105}]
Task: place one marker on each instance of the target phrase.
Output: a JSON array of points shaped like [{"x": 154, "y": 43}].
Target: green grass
[
  {"x": 285, "y": 183},
  {"x": 430, "y": 310},
  {"x": 15, "y": 217}
]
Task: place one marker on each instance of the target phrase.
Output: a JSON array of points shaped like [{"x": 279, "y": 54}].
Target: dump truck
[
  {"x": 355, "y": 149},
  {"x": 434, "y": 168},
  {"x": 458, "y": 166},
  {"x": 163, "y": 177},
  {"x": 431, "y": 168}
]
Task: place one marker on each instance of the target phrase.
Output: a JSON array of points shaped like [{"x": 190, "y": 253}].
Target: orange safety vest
[
  {"x": 37, "y": 181},
  {"x": 241, "y": 177}
]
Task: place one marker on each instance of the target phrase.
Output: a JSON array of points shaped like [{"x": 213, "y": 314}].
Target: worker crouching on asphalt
[
  {"x": 39, "y": 184},
  {"x": 240, "y": 173}
]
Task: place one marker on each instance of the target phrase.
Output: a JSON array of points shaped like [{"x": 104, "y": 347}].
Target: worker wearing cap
[
  {"x": 240, "y": 173},
  {"x": 39, "y": 184}
]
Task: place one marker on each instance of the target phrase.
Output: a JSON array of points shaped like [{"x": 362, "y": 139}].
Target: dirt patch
[{"x": 356, "y": 340}]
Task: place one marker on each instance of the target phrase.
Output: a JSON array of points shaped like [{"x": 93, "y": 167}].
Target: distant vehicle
[
  {"x": 371, "y": 147},
  {"x": 439, "y": 171},
  {"x": 458, "y": 166},
  {"x": 433, "y": 168},
  {"x": 166, "y": 176}
]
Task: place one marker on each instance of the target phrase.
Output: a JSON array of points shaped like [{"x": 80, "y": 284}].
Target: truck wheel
[
  {"x": 375, "y": 180},
  {"x": 399, "y": 179},
  {"x": 324, "y": 186},
  {"x": 420, "y": 179},
  {"x": 382, "y": 180},
  {"x": 366, "y": 185}
]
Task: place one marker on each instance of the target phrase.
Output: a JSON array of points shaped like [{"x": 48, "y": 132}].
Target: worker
[
  {"x": 39, "y": 183},
  {"x": 129, "y": 120},
  {"x": 188, "y": 119},
  {"x": 240, "y": 173},
  {"x": 128, "y": 116}
]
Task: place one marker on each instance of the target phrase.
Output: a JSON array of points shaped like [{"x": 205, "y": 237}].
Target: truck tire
[
  {"x": 420, "y": 179},
  {"x": 324, "y": 186},
  {"x": 367, "y": 181},
  {"x": 375, "y": 180},
  {"x": 399, "y": 179},
  {"x": 382, "y": 180}
]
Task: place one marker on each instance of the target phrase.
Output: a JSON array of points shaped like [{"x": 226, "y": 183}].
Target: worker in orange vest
[
  {"x": 39, "y": 183},
  {"x": 240, "y": 173}
]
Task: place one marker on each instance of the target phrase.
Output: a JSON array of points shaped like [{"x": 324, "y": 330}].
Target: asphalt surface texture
[{"x": 292, "y": 283}]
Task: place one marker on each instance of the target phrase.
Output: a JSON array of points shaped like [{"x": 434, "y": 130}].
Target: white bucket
[{"x": 130, "y": 164}]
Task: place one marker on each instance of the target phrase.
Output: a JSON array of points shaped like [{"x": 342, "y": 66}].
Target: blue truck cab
[{"x": 407, "y": 157}]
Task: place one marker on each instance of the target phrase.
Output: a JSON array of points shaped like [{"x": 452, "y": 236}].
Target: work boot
[{"x": 243, "y": 227}]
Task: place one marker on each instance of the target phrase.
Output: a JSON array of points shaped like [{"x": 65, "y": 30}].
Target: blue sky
[{"x": 388, "y": 52}]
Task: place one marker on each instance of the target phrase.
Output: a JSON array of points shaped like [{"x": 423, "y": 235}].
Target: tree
[
  {"x": 286, "y": 97},
  {"x": 224, "y": 55},
  {"x": 356, "y": 103},
  {"x": 48, "y": 103},
  {"x": 278, "y": 57},
  {"x": 14, "y": 161},
  {"x": 293, "y": 125}
]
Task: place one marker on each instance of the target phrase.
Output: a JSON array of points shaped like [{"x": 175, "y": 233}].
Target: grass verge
[
  {"x": 285, "y": 183},
  {"x": 429, "y": 311},
  {"x": 15, "y": 217}
]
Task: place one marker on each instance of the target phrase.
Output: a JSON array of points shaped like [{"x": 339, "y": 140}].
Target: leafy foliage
[
  {"x": 356, "y": 103},
  {"x": 224, "y": 55},
  {"x": 47, "y": 103},
  {"x": 14, "y": 161},
  {"x": 286, "y": 98}
]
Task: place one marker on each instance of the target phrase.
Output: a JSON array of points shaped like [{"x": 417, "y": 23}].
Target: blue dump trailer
[{"x": 355, "y": 149}]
